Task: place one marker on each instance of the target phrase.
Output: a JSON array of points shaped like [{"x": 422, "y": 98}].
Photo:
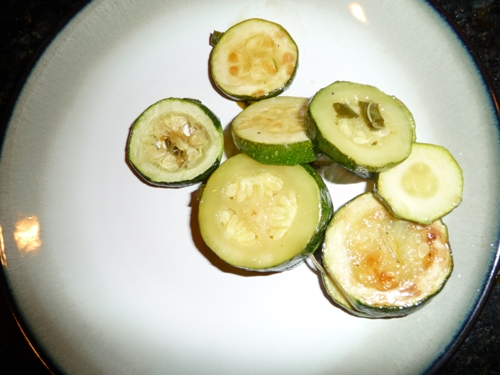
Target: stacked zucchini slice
[
  {"x": 379, "y": 266},
  {"x": 265, "y": 209},
  {"x": 386, "y": 253}
]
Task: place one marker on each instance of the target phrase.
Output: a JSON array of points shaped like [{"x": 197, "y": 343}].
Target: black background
[{"x": 27, "y": 26}]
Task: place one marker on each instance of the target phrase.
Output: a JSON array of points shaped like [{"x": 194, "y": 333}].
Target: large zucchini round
[
  {"x": 253, "y": 60},
  {"x": 263, "y": 217},
  {"x": 175, "y": 142},
  {"x": 384, "y": 266},
  {"x": 360, "y": 127}
]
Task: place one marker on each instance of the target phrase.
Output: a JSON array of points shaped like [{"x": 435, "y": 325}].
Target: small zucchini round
[
  {"x": 272, "y": 131},
  {"x": 263, "y": 217},
  {"x": 175, "y": 142},
  {"x": 424, "y": 187},
  {"x": 384, "y": 266},
  {"x": 253, "y": 60},
  {"x": 360, "y": 127}
]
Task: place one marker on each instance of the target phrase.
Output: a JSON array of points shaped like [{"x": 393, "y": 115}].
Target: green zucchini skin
[
  {"x": 326, "y": 212},
  {"x": 301, "y": 153},
  {"x": 208, "y": 215},
  {"x": 178, "y": 184},
  {"x": 203, "y": 174}
]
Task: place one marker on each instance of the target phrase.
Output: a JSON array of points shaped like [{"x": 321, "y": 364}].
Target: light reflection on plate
[{"x": 120, "y": 282}]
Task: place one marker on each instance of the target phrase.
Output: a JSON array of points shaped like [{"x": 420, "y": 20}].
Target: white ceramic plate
[{"x": 109, "y": 273}]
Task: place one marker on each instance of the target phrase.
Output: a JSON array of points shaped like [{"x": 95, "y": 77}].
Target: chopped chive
[
  {"x": 344, "y": 111},
  {"x": 371, "y": 115},
  {"x": 275, "y": 64},
  {"x": 214, "y": 37}
]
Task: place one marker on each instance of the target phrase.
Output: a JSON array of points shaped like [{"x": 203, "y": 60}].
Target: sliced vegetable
[
  {"x": 384, "y": 266},
  {"x": 423, "y": 188},
  {"x": 263, "y": 217},
  {"x": 360, "y": 127},
  {"x": 272, "y": 131},
  {"x": 175, "y": 142},
  {"x": 253, "y": 60}
]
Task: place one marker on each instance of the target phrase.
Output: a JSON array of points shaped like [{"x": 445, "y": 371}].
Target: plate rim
[{"x": 81, "y": 5}]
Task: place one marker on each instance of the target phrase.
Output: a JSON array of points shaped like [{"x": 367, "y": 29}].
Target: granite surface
[{"x": 26, "y": 27}]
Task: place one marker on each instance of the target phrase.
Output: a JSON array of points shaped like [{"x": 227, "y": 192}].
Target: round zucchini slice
[
  {"x": 253, "y": 60},
  {"x": 272, "y": 131},
  {"x": 263, "y": 217},
  {"x": 175, "y": 142},
  {"x": 384, "y": 266},
  {"x": 360, "y": 127},
  {"x": 423, "y": 188}
]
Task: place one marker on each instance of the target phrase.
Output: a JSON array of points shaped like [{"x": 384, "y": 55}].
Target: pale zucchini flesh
[
  {"x": 425, "y": 187},
  {"x": 360, "y": 127},
  {"x": 272, "y": 131},
  {"x": 253, "y": 60},
  {"x": 263, "y": 217},
  {"x": 384, "y": 266},
  {"x": 175, "y": 142}
]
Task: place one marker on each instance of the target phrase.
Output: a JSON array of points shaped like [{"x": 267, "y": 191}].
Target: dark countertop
[{"x": 25, "y": 28}]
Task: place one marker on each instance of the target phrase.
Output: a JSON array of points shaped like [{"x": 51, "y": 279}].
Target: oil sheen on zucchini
[
  {"x": 253, "y": 60},
  {"x": 360, "y": 127},
  {"x": 272, "y": 131},
  {"x": 263, "y": 217},
  {"x": 175, "y": 142},
  {"x": 385, "y": 267},
  {"x": 424, "y": 187}
]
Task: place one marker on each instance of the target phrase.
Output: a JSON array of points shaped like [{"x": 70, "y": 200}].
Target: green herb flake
[
  {"x": 371, "y": 115},
  {"x": 344, "y": 111}
]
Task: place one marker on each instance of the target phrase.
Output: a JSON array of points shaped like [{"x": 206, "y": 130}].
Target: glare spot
[
  {"x": 27, "y": 234},
  {"x": 3, "y": 257},
  {"x": 358, "y": 12}
]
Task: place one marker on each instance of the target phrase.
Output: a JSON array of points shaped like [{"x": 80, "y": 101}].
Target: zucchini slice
[
  {"x": 272, "y": 131},
  {"x": 384, "y": 266},
  {"x": 263, "y": 217},
  {"x": 253, "y": 60},
  {"x": 175, "y": 142},
  {"x": 360, "y": 127},
  {"x": 423, "y": 188}
]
